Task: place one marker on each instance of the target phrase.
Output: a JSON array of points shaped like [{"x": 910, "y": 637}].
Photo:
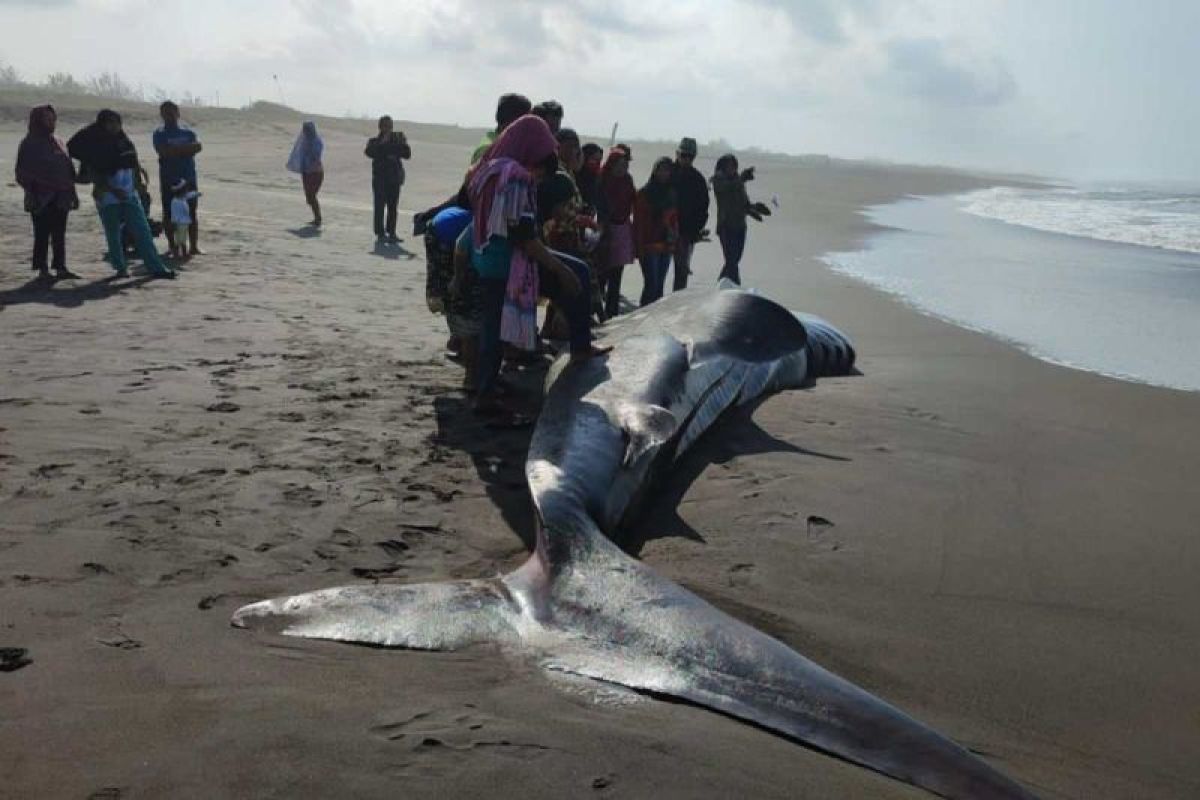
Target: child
[{"x": 183, "y": 209}]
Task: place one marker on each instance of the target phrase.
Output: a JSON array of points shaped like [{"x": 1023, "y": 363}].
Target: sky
[{"x": 1080, "y": 89}]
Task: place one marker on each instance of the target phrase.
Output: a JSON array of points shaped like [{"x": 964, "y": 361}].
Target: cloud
[
  {"x": 825, "y": 21},
  {"x": 944, "y": 74}
]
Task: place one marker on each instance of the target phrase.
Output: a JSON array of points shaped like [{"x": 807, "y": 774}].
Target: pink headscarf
[{"x": 520, "y": 147}]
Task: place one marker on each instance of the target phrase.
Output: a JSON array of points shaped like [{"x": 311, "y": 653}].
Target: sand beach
[{"x": 1003, "y": 547}]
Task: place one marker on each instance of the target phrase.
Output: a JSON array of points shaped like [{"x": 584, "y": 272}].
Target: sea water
[{"x": 1104, "y": 279}]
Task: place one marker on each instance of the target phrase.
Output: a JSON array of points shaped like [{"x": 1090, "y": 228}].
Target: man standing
[
  {"x": 551, "y": 111},
  {"x": 691, "y": 194},
  {"x": 387, "y": 152},
  {"x": 177, "y": 147}
]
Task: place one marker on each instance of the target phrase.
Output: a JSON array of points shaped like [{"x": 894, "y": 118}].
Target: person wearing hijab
[
  {"x": 656, "y": 229},
  {"x": 111, "y": 160},
  {"x": 616, "y": 197},
  {"x": 46, "y": 173},
  {"x": 305, "y": 160},
  {"x": 502, "y": 193},
  {"x": 733, "y": 206}
]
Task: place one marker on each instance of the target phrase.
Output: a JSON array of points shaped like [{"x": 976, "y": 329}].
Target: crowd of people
[
  {"x": 109, "y": 164},
  {"x": 539, "y": 215}
]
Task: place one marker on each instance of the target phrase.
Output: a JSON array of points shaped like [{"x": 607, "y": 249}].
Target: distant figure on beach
[
  {"x": 305, "y": 160},
  {"x": 509, "y": 108},
  {"x": 691, "y": 192},
  {"x": 733, "y": 206},
  {"x": 387, "y": 152},
  {"x": 616, "y": 198},
  {"x": 183, "y": 203},
  {"x": 111, "y": 160},
  {"x": 177, "y": 147},
  {"x": 46, "y": 173},
  {"x": 656, "y": 229},
  {"x": 551, "y": 111}
]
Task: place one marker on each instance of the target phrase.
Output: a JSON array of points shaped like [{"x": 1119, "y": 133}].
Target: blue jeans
[
  {"x": 683, "y": 263},
  {"x": 733, "y": 245},
  {"x": 654, "y": 276},
  {"x": 129, "y": 213}
]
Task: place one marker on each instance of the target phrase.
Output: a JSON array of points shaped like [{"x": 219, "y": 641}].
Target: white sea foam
[{"x": 1127, "y": 215}]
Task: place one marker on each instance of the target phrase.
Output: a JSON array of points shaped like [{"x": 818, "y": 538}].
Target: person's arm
[
  {"x": 403, "y": 149},
  {"x": 372, "y": 149}
]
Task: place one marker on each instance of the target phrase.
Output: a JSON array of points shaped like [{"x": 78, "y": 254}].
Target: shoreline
[{"x": 980, "y": 570}]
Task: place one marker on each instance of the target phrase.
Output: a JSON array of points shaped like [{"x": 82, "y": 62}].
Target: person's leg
[
  {"x": 58, "y": 240},
  {"x": 664, "y": 264},
  {"x": 683, "y": 264},
  {"x": 738, "y": 247},
  {"x": 143, "y": 239},
  {"x": 612, "y": 292},
  {"x": 41, "y": 241},
  {"x": 492, "y": 309},
  {"x": 393, "y": 207},
  {"x": 168, "y": 225},
  {"x": 577, "y": 308},
  {"x": 111, "y": 218},
  {"x": 379, "y": 196},
  {"x": 648, "y": 266},
  {"x": 194, "y": 229}
]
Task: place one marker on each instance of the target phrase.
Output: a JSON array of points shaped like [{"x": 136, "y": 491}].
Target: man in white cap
[{"x": 691, "y": 193}]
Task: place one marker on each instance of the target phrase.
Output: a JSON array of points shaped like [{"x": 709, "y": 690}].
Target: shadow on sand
[
  {"x": 735, "y": 434},
  {"x": 306, "y": 232},
  {"x": 69, "y": 294}
]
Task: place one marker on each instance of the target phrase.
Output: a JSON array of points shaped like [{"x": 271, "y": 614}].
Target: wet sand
[{"x": 1002, "y": 547}]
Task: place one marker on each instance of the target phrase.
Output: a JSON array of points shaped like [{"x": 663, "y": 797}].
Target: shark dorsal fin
[{"x": 646, "y": 427}]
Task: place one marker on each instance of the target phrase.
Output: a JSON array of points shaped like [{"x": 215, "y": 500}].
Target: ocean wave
[{"x": 1137, "y": 217}]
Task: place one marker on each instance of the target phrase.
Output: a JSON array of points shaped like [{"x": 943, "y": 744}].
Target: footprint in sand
[{"x": 462, "y": 730}]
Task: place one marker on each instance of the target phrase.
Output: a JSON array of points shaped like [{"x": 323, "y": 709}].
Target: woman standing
[
  {"x": 45, "y": 172},
  {"x": 505, "y": 248},
  {"x": 112, "y": 160},
  {"x": 305, "y": 160},
  {"x": 616, "y": 197},
  {"x": 656, "y": 229},
  {"x": 733, "y": 206}
]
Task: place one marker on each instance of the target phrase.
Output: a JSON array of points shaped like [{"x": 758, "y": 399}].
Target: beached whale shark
[{"x": 608, "y": 429}]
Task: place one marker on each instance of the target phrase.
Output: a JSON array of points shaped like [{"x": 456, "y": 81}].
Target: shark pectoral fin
[
  {"x": 427, "y": 616},
  {"x": 646, "y": 428}
]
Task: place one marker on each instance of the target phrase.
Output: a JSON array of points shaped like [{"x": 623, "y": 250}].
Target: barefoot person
[
  {"x": 691, "y": 192},
  {"x": 387, "y": 152},
  {"x": 305, "y": 160},
  {"x": 112, "y": 161},
  {"x": 46, "y": 173},
  {"x": 655, "y": 229},
  {"x": 177, "y": 147}
]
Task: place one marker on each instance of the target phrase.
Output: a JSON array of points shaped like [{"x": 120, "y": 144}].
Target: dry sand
[{"x": 1012, "y": 554}]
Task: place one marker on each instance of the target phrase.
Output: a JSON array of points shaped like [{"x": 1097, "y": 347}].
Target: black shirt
[
  {"x": 386, "y": 154},
  {"x": 691, "y": 193}
]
